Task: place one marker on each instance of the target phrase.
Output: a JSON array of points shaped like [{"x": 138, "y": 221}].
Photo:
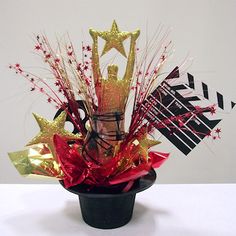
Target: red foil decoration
[{"x": 126, "y": 166}]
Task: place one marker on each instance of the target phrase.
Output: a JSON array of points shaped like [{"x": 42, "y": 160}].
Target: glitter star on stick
[{"x": 49, "y": 128}]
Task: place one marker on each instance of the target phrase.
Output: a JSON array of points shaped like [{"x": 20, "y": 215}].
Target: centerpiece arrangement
[{"x": 101, "y": 161}]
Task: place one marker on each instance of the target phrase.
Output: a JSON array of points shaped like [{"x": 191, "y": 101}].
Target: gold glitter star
[
  {"x": 114, "y": 39},
  {"x": 145, "y": 143},
  {"x": 49, "y": 128}
]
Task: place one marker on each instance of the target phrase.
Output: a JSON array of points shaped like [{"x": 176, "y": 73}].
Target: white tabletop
[{"x": 162, "y": 210}]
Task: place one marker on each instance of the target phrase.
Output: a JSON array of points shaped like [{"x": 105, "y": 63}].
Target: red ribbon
[{"x": 77, "y": 170}]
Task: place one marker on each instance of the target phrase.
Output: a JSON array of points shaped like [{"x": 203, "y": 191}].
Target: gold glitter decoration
[
  {"x": 49, "y": 128},
  {"x": 112, "y": 93},
  {"x": 145, "y": 143},
  {"x": 36, "y": 160},
  {"x": 114, "y": 39}
]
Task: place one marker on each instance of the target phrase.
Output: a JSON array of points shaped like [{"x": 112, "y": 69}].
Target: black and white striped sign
[
  {"x": 202, "y": 90},
  {"x": 179, "y": 96}
]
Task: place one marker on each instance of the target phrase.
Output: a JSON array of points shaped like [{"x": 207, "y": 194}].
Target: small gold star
[
  {"x": 114, "y": 39},
  {"x": 49, "y": 128},
  {"x": 145, "y": 143}
]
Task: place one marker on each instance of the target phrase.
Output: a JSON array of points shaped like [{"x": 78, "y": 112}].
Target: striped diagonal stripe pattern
[{"x": 175, "y": 97}]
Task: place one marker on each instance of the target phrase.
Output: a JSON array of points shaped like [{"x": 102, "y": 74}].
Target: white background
[{"x": 204, "y": 29}]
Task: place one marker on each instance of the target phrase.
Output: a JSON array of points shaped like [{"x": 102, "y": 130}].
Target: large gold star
[
  {"x": 114, "y": 39},
  {"x": 49, "y": 128}
]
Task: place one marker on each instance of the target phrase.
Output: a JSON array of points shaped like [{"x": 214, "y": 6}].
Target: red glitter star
[
  {"x": 218, "y": 130},
  {"x": 208, "y": 134},
  {"x": 57, "y": 83},
  {"x": 37, "y": 47},
  {"x": 88, "y": 48},
  {"x": 212, "y": 110}
]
